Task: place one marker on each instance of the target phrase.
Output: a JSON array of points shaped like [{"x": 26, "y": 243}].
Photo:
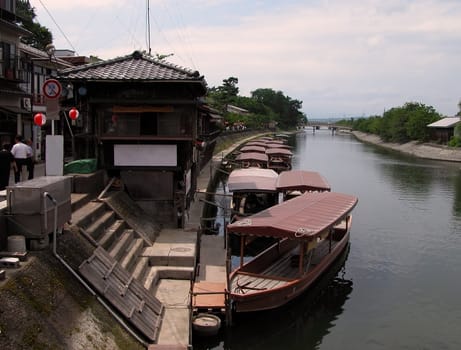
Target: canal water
[{"x": 399, "y": 284}]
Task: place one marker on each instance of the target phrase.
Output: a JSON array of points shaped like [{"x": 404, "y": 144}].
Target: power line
[{"x": 57, "y": 25}]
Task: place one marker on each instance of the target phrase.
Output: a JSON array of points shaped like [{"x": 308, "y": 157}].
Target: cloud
[{"x": 339, "y": 57}]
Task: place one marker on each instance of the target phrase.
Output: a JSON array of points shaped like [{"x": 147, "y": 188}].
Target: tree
[
  {"x": 41, "y": 36},
  {"x": 286, "y": 109},
  {"x": 419, "y": 116}
]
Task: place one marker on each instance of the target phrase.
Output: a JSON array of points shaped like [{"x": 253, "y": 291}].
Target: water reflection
[
  {"x": 457, "y": 196},
  {"x": 301, "y": 324},
  {"x": 404, "y": 260}
]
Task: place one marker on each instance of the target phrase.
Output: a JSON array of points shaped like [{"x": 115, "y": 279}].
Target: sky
[{"x": 341, "y": 58}]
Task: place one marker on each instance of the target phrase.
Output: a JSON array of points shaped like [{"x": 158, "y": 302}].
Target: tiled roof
[
  {"x": 136, "y": 66},
  {"x": 445, "y": 122}
]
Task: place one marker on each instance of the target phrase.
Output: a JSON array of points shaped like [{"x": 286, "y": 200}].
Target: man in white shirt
[{"x": 20, "y": 153}]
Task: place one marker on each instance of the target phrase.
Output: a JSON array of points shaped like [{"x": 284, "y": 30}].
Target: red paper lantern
[
  {"x": 39, "y": 119},
  {"x": 74, "y": 113}
]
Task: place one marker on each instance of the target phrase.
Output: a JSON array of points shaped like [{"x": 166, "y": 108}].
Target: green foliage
[
  {"x": 266, "y": 106},
  {"x": 41, "y": 36},
  {"x": 455, "y": 141},
  {"x": 400, "y": 124}
]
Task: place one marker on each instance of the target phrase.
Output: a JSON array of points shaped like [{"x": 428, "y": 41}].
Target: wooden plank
[
  {"x": 216, "y": 299},
  {"x": 123, "y": 292}
]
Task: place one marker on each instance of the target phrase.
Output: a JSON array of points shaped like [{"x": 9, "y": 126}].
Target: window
[{"x": 147, "y": 121}]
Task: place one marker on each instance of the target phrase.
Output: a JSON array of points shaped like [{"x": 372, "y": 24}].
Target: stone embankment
[{"x": 415, "y": 148}]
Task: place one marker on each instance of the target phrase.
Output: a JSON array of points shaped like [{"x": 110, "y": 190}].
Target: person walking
[
  {"x": 30, "y": 160},
  {"x": 6, "y": 163},
  {"x": 20, "y": 153}
]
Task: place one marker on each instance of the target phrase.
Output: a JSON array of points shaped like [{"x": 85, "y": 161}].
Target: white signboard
[
  {"x": 145, "y": 155},
  {"x": 54, "y": 155}
]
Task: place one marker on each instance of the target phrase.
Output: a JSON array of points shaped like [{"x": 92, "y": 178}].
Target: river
[{"x": 399, "y": 285}]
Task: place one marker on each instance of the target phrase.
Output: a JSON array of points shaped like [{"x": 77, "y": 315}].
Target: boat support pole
[
  {"x": 102, "y": 302},
  {"x": 242, "y": 248}
]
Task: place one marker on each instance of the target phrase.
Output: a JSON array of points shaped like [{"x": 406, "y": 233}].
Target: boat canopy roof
[
  {"x": 256, "y": 143},
  {"x": 253, "y": 148},
  {"x": 247, "y": 156},
  {"x": 278, "y": 151},
  {"x": 279, "y": 141},
  {"x": 302, "y": 180},
  {"x": 303, "y": 218},
  {"x": 252, "y": 179},
  {"x": 277, "y": 145}
]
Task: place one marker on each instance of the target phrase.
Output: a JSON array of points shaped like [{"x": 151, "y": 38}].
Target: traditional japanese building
[
  {"x": 144, "y": 121},
  {"x": 12, "y": 109}
]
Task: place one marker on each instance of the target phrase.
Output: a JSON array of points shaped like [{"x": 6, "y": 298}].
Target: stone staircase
[
  {"x": 134, "y": 252},
  {"x": 146, "y": 257}
]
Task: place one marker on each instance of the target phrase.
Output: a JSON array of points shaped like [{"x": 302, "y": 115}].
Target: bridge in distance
[{"x": 326, "y": 124}]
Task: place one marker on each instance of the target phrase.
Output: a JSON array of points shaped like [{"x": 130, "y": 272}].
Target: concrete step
[
  {"x": 78, "y": 200},
  {"x": 118, "y": 248},
  {"x": 88, "y": 213},
  {"x": 156, "y": 273},
  {"x": 140, "y": 269},
  {"x": 131, "y": 254},
  {"x": 171, "y": 254},
  {"x": 112, "y": 233},
  {"x": 97, "y": 228}
]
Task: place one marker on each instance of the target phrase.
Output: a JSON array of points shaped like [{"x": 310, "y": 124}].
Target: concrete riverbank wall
[{"x": 414, "y": 148}]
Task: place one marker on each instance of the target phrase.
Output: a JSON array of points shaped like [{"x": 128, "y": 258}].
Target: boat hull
[{"x": 277, "y": 297}]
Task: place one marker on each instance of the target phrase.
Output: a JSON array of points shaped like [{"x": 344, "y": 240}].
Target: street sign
[{"x": 52, "y": 88}]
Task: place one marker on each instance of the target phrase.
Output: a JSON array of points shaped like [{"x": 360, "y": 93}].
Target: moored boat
[
  {"x": 252, "y": 159},
  {"x": 253, "y": 189},
  {"x": 279, "y": 159},
  {"x": 292, "y": 183},
  {"x": 311, "y": 231}
]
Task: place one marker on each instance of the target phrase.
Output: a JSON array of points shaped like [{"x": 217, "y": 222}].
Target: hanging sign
[{"x": 52, "y": 88}]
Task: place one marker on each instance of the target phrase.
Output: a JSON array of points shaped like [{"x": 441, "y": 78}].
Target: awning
[
  {"x": 14, "y": 110},
  {"x": 256, "y": 143},
  {"x": 278, "y": 152},
  {"x": 305, "y": 217},
  {"x": 216, "y": 116},
  {"x": 248, "y": 156},
  {"x": 142, "y": 109},
  {"x": 302, "y": 180},
  {"x": 258, "y": 149},
  {"x": 252, "y": 180},
  {"x": 12, "y": 89},
  {"x": 277, "y": 145}
]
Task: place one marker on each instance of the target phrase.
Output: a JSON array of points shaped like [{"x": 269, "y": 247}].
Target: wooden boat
[
  {"x": 253, "y": 148},
  {"x": 312, "y": 230},
  {"x": 253, "y": 189},
  {"x": 279, "y": 159},
  {"x": 252, "y": 159},
  {"x": 293, "y": 183}
]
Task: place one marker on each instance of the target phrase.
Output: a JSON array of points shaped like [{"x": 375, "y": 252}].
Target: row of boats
[
  {"x": 304, "y": 225},
  {"x": 286, "y": 227}
]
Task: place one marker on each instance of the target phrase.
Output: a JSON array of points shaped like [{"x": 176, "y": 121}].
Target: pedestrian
[
  {"x": 6, "y": 163},
  {"x": 30, "y": 160},
  {"x": 20, "y": 153}
]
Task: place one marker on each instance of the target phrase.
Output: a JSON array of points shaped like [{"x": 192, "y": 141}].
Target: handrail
[
  {"x": 101, "y": 301},
  {"x": 101, "y": 195}
]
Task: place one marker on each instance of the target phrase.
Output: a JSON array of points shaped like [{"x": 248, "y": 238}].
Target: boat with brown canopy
[
  {"x": 292, "y": 183},
  {"x": 252, "y": 159},
  {"x": 312, "y": 230},
  {"x": 279, "y": 159}
]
